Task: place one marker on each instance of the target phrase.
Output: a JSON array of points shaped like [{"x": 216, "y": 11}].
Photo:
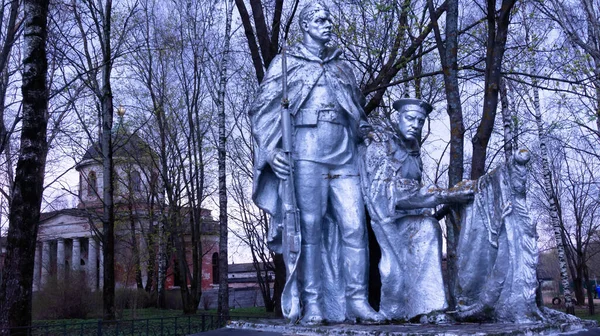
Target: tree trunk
[
  {"x": 108, "y": 216},
  {"x": 223, "y": 304},
  {"x": 26, "y": 195},
  {"x": 449, "y": 58},
  {"x": 496, "y": 45},
  {"x": 506, "y": 121},
  {"x": 554, "y": 220},
  {"x": 579, "y": 288},
  {"x": 591, "y": 289}
]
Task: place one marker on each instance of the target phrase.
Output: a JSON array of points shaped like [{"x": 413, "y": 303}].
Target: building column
[
  {"x": 60, "y": 259},
  {"x": 76, "y": 255},
  {"x": 36, "y": 268},
  {"x": 101, "y": 268},
  {"x": 45, "y": 262},
  {"x": 92, "y": 270}
]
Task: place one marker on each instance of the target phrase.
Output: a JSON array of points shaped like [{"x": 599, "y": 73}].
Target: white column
[
  {"x": 60, "y": 259},
  {"x": 76, "y": 255},
  {"x": 92, "y": 270},
  {"x": 36, "y": 267},
  {"x": 45, "y": 262},
  {"x": 101, "y": 268}
]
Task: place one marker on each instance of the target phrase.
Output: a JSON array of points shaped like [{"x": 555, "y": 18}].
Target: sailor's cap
[{"x": 401, "y": 103}]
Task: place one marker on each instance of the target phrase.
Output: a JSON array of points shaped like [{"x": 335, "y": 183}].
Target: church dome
[
  {"x": 135, "y": 173},
  {"x": 125, "y": 146}
]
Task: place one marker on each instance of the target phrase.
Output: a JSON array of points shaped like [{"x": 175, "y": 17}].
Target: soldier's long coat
[{"x": 303, "y": 71}]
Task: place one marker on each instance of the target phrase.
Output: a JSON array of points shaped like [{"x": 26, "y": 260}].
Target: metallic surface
[
  {"x": 410, "y": 239},
  {"x": 329, "y": 281},
  {"x": 497, "y": 249}
]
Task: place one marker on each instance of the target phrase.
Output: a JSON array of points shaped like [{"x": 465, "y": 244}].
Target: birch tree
[
  {"x": 223, "y": 304},
  {"x": 26, "y": 196},
  {"x": 551, "y": 199}
]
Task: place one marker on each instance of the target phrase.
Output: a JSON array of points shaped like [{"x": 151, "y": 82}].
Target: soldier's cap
[
  {"x": 401, "y": 103},
  {"x": 310, "y": 9}
]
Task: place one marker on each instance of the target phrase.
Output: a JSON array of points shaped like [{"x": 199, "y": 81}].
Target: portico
[{"x": 65, "y": 258}]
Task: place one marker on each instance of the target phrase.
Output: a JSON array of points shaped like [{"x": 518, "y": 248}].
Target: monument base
[{"x": 280, "y": 327}]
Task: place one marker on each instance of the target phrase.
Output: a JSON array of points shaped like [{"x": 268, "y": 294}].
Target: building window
[
  {"x": 215, "y": 268},
  {"x": 136, "y": 181},
  {"x": 92, "y": 181}
]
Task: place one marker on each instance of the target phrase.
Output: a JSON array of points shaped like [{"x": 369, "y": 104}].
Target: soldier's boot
[
  {"x": 355, "y": 273},
  {"x": 310, "y": 284}
]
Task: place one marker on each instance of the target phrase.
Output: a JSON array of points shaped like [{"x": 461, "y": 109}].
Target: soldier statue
[
  {"x": 410, "y": 239},
  {"x": 327, "y": 270}
]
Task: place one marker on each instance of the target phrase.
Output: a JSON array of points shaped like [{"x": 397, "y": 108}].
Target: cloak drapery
[
  {"x": 303, "y": 71},
  {"x": 410, "y": 240},
  {"x": 497, "y": 251}
]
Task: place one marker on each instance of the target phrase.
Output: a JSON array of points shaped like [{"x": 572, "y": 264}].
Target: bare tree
[
  {"x": 580, "y": 22},
  {"x": 10, "y": 27},
  {"x": 254, "y": 222},
  {"x": 223, "y": 304},
  {"x": 94, "y": 24},
  {"x": 26, "y": 196},
  {"x": 497, "y": 33}
]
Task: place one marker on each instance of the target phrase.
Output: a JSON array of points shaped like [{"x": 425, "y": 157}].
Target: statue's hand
[
  {"x": 279, "y": 163},
  {"x": 463, "y": 192},
  {"x": 460, "y": 197},
  {"x": 366, "y": 132}
]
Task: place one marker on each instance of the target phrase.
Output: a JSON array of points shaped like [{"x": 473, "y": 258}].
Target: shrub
[{"x": 67, "y": 299}]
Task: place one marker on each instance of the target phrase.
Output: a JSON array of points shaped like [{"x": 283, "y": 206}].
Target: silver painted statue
[
  {"x": 497, "y": 249},
  {"x": 410, "y": 239},
  {"x": 318, "y": 221}
]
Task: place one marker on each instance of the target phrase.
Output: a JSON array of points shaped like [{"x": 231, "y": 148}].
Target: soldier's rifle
[{"x": 291, "y": 220}]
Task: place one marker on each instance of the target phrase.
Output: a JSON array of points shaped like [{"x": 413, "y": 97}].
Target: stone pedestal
[{"x": 281, "y": 327}]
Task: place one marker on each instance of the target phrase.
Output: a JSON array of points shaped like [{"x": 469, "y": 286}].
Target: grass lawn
[{"x": 582, "y": 312}]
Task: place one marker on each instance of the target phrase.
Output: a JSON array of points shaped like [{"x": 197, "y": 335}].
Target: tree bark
[
  {"x": 496, "y": 45},
  {"x": 590, "y": 291},
  {"x": 223, "y": 304},
  {"x": 108, "y": 215},
  {"x": 506, "y": 121},
  {"x": 26, "y": 195},
  {"x": 448, "y": 51},
  {"x": 554, "y": 219}
]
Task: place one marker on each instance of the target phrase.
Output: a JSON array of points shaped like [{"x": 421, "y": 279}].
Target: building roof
[
  {"x": 125, "y": 145},
  {"x": 75, "y": 212},
  {"x": 210, "y": 226}
]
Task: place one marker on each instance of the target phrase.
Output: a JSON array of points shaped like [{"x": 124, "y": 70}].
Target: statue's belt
[{"x": 311, "y": 117}]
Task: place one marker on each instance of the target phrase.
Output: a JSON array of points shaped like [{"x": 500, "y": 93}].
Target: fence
[{"x": 168, "y": 326}]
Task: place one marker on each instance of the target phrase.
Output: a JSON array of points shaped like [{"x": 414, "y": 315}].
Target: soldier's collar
[
  {"x": 412, "y": 148},
  {"x": 299, "y": 50}
]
